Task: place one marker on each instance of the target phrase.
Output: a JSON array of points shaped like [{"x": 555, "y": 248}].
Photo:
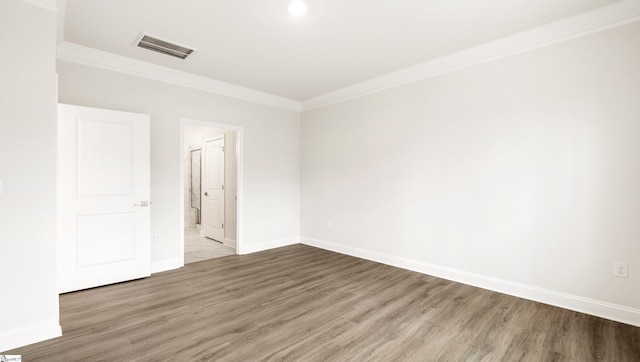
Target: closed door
[
  {"x": 213, "y": 196},
  {"x": 103, "y": 197}
]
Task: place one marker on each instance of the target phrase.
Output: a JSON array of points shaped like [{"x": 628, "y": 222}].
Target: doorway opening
[{"x": 211, "y": 188}]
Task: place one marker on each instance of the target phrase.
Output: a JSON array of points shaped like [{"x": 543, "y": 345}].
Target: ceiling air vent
[{"x": 156, "y": 44}]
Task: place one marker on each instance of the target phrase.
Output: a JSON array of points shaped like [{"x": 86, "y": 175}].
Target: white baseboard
[
  {"x": 37, "y": 332},
  {"x": 594, "y": 307},
  {"x": 254, "y": 248},
  {"x": 164, "y": 265},
  {"x": 229, "y": 242}
]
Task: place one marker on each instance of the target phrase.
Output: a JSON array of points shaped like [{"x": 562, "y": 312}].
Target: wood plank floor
[{"x": 305, "y": 304}]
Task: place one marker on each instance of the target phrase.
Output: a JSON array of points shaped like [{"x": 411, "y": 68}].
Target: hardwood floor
[{"x": 305, "y": 304}]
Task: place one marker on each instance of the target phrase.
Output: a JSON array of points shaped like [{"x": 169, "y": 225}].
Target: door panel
[
  {"x": 214, "y": 189},
  {"x": 214, "y": 217},
  {"x": 104, "y": 239},
  {"x": 104, "y": 158},
  {"x": 103, "y": 177}
]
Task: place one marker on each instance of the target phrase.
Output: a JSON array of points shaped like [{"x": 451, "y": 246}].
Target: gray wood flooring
[{"x": 305, "y": 304}]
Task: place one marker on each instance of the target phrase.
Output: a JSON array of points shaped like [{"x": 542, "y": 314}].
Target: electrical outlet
[
  {"x": 156, "y": 239},
  {"x": 620, "y": 269}
]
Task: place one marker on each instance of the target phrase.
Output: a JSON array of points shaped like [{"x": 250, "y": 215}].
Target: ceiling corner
[{"x": 607, "y": 17}]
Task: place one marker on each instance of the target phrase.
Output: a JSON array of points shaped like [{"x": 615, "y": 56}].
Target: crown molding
[
  {"x": 607, "y": 17},
  {"x": 79, "y": 54},
  {"x": 50, "y": 5}
]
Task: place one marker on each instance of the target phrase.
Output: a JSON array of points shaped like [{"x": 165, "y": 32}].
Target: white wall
[
  {"x": 271, "y": 152},
  {"x": 29, "y": 302},
  {"x": 520, "y": 174}
]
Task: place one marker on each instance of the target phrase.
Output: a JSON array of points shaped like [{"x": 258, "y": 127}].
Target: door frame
[{"x": 239, "y": 151}]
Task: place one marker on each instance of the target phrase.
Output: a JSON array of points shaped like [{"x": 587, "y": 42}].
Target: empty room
[{"x": 320, "y": 180}]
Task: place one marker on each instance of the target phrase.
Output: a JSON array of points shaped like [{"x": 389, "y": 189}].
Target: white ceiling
[{"x": 256, "y": 44}]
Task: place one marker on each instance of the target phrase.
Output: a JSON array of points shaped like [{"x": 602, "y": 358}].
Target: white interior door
[
  {"x": 213, "y": 195},
  {"x": 103, "y": 193}
]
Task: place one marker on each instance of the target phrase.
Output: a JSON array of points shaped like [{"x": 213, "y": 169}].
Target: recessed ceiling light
[{"x": 297, "y": 8}]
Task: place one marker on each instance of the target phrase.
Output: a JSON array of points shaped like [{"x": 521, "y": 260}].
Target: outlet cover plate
[{"x": 620, "y": 269}]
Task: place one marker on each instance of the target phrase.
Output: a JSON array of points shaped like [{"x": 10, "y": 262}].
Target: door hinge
[
  {"x": 222, "y": 148},
  {"x": 222, "y": 187},
  {"x": 222, "y": 225}
]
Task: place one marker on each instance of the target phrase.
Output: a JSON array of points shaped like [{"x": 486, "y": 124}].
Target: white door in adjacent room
[
  {"x": 213, "y": 193},
  {"x": 103, "y": 197}
]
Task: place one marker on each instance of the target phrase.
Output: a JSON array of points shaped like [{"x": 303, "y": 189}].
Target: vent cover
[{"x": 156, "y": 44}]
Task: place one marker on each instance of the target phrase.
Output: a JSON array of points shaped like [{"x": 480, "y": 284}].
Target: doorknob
[{"x": 206, "y": 194}]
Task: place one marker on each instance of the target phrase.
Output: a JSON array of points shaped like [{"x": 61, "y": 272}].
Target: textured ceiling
[{"x": 256, "y": 44}]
